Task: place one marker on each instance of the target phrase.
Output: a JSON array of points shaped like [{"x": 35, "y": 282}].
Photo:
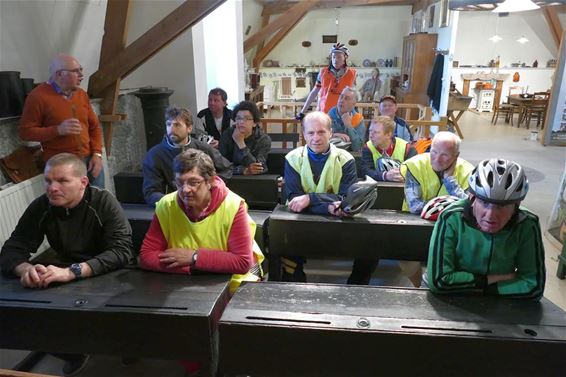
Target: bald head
[
  {"x": 66, "y": 72},
  {"x": 444, "y": 150}
]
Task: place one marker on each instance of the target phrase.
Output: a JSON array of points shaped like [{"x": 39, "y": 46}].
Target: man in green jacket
[{"x": 487, "y": 243}]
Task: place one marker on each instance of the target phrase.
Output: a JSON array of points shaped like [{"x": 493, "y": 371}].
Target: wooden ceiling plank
[
  {"x": 151, "y": 42},
  {"x": 302, "y": 7},
  {"x": 275, "y": 40},
  {"x": 554, "y": 24}
]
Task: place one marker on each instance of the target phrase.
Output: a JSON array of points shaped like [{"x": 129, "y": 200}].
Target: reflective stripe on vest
[
  {"x": 210, "y": 233},
  {"x": 331, "y": 88},
  {"x": 398, "y": 152},
  {"x": 431, "y": 186},
  {"x": 331, "y": 175}
]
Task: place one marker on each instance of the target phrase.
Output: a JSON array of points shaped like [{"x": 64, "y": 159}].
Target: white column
[{"x": 219, "y": 54}]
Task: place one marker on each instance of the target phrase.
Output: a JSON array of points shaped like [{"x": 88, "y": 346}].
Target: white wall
[
  {"x": 379, "y": 30},
  {"x": 474, "y": 29},
  {"x": 33, "y": 31}
]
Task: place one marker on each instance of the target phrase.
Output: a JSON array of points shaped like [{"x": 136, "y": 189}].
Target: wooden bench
[{"x": 260, "y": 191}]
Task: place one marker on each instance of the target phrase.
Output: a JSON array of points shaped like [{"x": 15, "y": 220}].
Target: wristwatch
[
  {"x": 76, "y": 269},
  {"x": 194, "y": 258},
  {"x": 97, "y": 154}
]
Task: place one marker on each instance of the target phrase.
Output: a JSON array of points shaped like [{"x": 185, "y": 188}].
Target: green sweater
[{"x": 461, "y": 256}]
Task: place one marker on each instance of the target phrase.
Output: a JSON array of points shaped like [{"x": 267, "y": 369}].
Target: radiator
[{"x": 14, "y": 201}]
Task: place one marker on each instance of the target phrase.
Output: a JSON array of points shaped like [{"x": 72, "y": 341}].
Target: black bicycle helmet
[
  {"x": 339, "y": 143},
  {"x": 499, "y": 181},
  {"x": 359, "y": 197}
]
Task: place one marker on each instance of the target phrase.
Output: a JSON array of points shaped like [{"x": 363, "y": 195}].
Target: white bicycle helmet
[
  {"x": 388, "y": 163},
  {"x": 359, "y": 197},
  {"x": 499, "y": 181},
  {"x": 340, "y": 47},
  {"x": 435, "y": 206},
  {"x": 339, "y": 143}
]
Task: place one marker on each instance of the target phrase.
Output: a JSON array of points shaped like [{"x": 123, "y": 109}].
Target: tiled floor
[{"x": 481, "y": 140}]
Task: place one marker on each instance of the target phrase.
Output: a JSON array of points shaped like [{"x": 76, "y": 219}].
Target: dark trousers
[
  {"x": 362, "y": 271},
  {"x": 292, "y": 269}
]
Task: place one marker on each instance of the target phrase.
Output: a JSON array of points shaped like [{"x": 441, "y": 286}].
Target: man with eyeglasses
[
  {"x": 487, "y": 243},
  {"x": 245, "y": 144},
  {"x": 158, "y": 179},
  {"x": 58, "y": 114},
  {"x": 430, "y": 175}
]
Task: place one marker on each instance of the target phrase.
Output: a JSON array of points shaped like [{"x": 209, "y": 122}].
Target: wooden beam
[
  {"x": 283, "y": 20},
  {"x": 277, "y": 8},
  {"x": 151, "y": 42},
  {"x": 264, "y": 23},
  {"x": 276, "y": 39},
  {"x": 113, "y": 42},
  {"x": 554, "y": 24}
]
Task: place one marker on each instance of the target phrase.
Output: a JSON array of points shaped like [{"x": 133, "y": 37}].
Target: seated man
[
  {"x": 245, "y": 144},
  {"x": 84, "y": 225},
  {"x": 429, "y": 175},
  {"x": 217, "y": 117},
  {"x": 381, "y": 144},
  {"x": 202, "y": 226},
  {"x": 347, "y": 123},
  {"x": 388, "y": 107},
  {"x": 487, "y": 243},
  {"x": 158, "y": 177},
  {"x": 316, "y": 177}
]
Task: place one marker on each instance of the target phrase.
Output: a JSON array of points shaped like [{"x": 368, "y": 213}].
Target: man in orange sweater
[{"x": 58, "y": 114}]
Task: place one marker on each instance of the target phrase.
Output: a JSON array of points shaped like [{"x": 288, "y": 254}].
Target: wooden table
[
  {"x": 338, "y": 330},
  {"x": 128, "y": 312},
  {"x": 524, "y": 103}
]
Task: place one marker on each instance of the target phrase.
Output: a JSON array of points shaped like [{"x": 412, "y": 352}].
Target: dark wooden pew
[
  {"x": 128, "y": 312},
  {"x": 390, "y": 195},
  {"x": 276, "y": 160},
  {"x": 260, "y": 191},
  {"x": 373, "y": 234},
  {"x": 129, "y": 187},
  {"x": 332, "y": 330}
]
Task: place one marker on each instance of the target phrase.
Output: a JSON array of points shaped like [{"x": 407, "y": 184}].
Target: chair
[
  {"x": 536, "y": 108},
  {"x": 507, "y": 108}
]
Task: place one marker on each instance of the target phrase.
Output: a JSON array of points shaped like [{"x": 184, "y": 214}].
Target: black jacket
[
  {"x": 257, "y": 149},
  {"x": 210, "y": 125},
  {"x": 158, "y": 177},
  {"x": 95, "y": 231}
]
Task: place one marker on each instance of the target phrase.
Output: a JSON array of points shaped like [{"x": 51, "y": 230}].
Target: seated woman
[
  {"x": 201, "y": 226},
  {"x": 244, "y": 144}
]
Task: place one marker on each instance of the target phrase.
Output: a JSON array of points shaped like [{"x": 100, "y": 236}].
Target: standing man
[
  {"x": 216, "y": 118},
  {"x": 487, "y": 243},
  {"x": 317, "y": 176},
  {"x": 85, "y": 227},
  {"x": 158, "y": 178},
  {"x": 429, "y": 175},
  {"x": 245, "y": 144},
  {"x": 58, "y": 114},
  {"x": 347, "y": 123},
  {"x": 331, "y": 80},
  {"x": 388, "y": 107}
]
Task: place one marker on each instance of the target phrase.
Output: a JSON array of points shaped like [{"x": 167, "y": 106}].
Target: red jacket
[{"x": 45, "y": 109}]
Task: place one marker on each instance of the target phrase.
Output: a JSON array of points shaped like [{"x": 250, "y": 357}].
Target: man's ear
[{"x": 84, "y": 181}]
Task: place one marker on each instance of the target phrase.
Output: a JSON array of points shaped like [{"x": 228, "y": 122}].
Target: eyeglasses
[
  {"x": 78, "y": 71},
  {"x": 192, "y": 184},
  {"x": 244, "y": 119}
]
